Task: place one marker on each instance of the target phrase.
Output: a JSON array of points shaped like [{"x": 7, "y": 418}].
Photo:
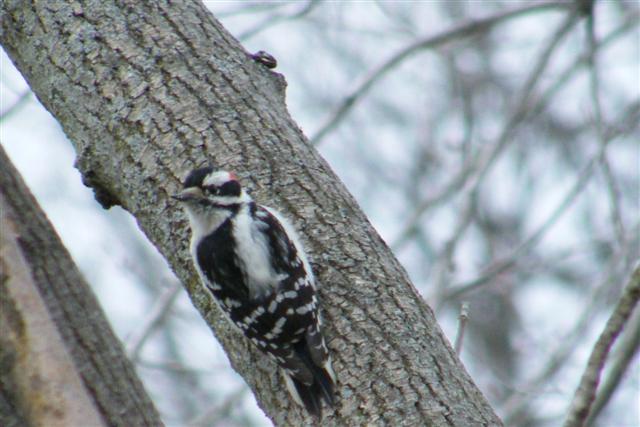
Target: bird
[{"x": 251, "y": 261}]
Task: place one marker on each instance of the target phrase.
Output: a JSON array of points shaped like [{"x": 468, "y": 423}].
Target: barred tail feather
[
  {"x": 324, "y": 383},
  {"x": 310, "y": 396},
  {"x": 304, "y": 395},
  {"x": 322, "y": 387}
]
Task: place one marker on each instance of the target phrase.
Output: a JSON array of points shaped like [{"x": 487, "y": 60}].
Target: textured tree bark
[
  {"x": 61, "y": 364},
  {"x": 148, "y": 90}
]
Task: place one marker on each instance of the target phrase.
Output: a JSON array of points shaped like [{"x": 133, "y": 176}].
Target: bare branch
[
  {"x": 17, "y": 105},
  {"x": 503, "y": 265},
  {"x": 477, "y": 167},
  {"x": 157, "y": 314},
  {"x": 585, "y": 394},
  {"x": 430, "y": 42},
  {"x": 518, "y": 403},
  {"x": 61, "y": 362},
  {"x": 445, "y": 260},
  {"x": 462, "y": 323},
  {"x": 448, "y": 191},
  {"x": 275, "y": 19},
  {"x": 498, "y": 267},
  {"x": 594, "y": 86},
  {"x": 571, "y": 69},
  {"x": 218, "y": 413},
  {"x": 523, "y": 104},
  {"x": 628, "y": 349}
]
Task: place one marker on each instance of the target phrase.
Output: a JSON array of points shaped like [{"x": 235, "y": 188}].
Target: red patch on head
[{"x": 233, "y": 176}]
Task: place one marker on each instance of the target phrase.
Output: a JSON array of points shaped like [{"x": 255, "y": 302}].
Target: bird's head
[
  {"x": 209, "y": 196},
  {"x": 216, "y": 188}
]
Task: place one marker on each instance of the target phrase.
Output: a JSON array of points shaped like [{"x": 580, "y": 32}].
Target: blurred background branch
[{"x": 586, "y": 392}]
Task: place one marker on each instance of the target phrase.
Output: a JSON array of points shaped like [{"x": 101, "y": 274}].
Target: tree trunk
[
  {"x": 61, "y": 364},
  {"x": 149, "y": 90}
]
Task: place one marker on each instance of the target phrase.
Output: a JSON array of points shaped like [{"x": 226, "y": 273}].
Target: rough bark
[
  {"x": 148, "y": 90},
  {"x": 61, "y": 364}
]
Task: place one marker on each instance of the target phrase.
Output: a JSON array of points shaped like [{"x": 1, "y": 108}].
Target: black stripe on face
[{"x": 228, "y": 189}]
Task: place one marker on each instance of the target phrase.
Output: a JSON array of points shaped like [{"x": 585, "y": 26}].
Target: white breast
[{"x": 253, "y": 251}]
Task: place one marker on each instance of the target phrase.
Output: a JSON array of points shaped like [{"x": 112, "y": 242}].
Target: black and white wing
[{"x": 300, "y": 348}]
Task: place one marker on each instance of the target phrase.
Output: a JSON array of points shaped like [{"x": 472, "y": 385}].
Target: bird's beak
[{"x": 187, "y": 194}]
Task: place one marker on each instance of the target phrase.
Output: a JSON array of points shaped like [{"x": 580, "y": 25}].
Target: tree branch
[
  {"x": 627, "y": 350},
  {"x": 149, "y": 90},
  {"x": 430, "y": 42},
  {"x": 155, "y": 317},
  {"x": 475, "y": 168},
  {"x": 586, "y": 392},
  {"x": 61, "y": 363}
]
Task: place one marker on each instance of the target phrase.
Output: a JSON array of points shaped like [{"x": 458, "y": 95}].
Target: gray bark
[
  {"x": 148, "y": 90},
  {"x": 61, "y": 364}
]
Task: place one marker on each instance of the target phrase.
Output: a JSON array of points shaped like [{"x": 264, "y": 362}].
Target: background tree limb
[
  {"x": 61, "y": 363},
  {"x": 586, "y": 392}
]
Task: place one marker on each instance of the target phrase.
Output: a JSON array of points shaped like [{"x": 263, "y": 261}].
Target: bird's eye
[
  {"x": 212, "y": 189},
  {"x": 229, "y": 188}
]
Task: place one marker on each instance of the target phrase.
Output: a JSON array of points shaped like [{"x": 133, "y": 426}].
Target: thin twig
[
  {"x": 479, "y": 165},
  {"x": 581, "y": 61},
  {"x": 272, "y": 20},
  {"x": 523, "y": 104},
  {"x": 445, "y": 261},
  {"x": 248, "y": 8},
  {"x": 179, "y": 368},
  {"x": 594, "y": 86},
  {"x": 628, "y": 349},
  {"x": 21, "y": 101},
  {"x": 503, "y": 265},
  {"x": 628, "y": 121},
  {"x": 586, "y": 391},
  {"x": 217, "y": 413},
  {"x": 156, "y": 315},
  {"x": 520, "y": 402},
  {"x": 444, "y": 194},
  {"x": 462, "y": 324},
  {"x": 430, "y": 42}
]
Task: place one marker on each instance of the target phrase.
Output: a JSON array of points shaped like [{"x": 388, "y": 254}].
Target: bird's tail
[
  {"x": 310, "y": 395},
  {"x": 322, "y": 387}
]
